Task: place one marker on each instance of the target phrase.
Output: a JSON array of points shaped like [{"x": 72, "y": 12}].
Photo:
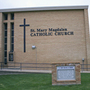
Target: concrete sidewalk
[
  {"x": 24, "y": 71},
  {"x": 15, "y": 71},
  {"x": 85, "y": 71}
]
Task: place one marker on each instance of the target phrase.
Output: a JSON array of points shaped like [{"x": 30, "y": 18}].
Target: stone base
[{"x": 75, "y": 78}]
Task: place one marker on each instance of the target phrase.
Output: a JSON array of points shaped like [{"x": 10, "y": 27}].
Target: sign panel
[{"x": 66, "y": 73}]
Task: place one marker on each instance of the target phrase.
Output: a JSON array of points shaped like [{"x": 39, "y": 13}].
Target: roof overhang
[{"x": 44, "y": 8}]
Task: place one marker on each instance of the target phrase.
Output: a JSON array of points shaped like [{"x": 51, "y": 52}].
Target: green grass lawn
[{"x": 39, "y": 82}]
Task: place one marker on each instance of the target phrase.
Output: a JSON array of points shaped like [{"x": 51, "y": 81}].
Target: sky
[{"x": 5, "y": 4}]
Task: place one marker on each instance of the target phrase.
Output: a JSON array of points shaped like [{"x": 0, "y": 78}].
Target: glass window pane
[
  {"x": 5, "y": 16},
  {"x": 12, "y": 40},
  {"x": 5, "y": 60},
  {"x": 12, "y": 33},
  {"x": 10, "y": 57},
  {"x": 5, "y": 47},
  {"x": 5, "y": 40},
  {"x": 12, "y": 47},
  {"x": 12, "y": 25},
  {"x": 12, "y": 37},
  {"x": 12, "y": 16},
  {"x": 5, "y": 54},
  {"x": 5, "y": 26},
  {"x": 5, "y": 33}
]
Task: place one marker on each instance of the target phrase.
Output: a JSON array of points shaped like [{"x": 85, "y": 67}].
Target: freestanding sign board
[{"x": 66, "y": 73}]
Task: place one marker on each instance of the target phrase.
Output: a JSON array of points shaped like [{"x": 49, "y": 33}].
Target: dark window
[
  {"x": 12, "y": 37},
  {"x": 5, "y": 54},
  {"x": 5, "y": 43},
  {"x": 12, "y": 16},
  {"x": 5, "y": 16},
  {"x": 12, "y": 40},
  {"x": 5, "y": 33},
  {"x": 10, "y": 57},
  {"x": 12, "y": 33},
  {"x": 5, "y": 26},
  {"x": 5, "y": 40},
  {"x": 5, "y": 47},
  {"x": 12, "y": 47},
  {"x": 12, "y": 25},
  {"x": 5, "y": 60}
]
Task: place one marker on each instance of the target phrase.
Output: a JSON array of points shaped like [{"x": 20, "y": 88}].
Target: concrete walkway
[
  {"x": 85, "y": 71},
  {"x": 15, "y": 71}
]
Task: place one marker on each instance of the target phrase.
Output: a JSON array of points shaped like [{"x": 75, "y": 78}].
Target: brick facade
[{"x": 52, "y": 48}]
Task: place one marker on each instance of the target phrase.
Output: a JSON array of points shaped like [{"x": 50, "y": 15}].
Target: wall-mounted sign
[{"x": 50, "y": 32}]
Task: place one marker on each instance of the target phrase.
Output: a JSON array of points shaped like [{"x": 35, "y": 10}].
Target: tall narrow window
[
  {"x": 5, "y": 16},
  {"x": 12, "y": 37},
  {"x": 12, "y": 16},
  {"x": 5, "y": 43},
  {"x": 11, "y": 43}
]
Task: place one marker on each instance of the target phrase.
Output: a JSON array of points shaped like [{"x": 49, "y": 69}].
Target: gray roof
[{"x": 44, "y": 8}]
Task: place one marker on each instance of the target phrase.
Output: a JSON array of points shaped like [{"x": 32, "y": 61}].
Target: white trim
[{"x": 44, "y": 8}]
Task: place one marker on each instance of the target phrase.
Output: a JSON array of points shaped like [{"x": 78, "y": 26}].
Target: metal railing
[
  {"x": 26, "y": 66},
  {"x": 85, "y": 67},
  {"x": 35, "y": 66}
]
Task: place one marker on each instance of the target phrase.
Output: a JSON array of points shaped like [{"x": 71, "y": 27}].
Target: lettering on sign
[
  {"x": 50, "y": 32},
  {"x": 43, "y": 32},
  {"x": 66, "y": 73}
]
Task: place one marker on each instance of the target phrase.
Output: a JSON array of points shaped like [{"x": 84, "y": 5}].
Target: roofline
[{"x": 44, "y": 8}]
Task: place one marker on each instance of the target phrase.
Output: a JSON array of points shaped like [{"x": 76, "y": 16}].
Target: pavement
[
  {"x": 85, "y": 71},
  {"x": 16, "y": 71},
  {"x": 13, "y": 71}
]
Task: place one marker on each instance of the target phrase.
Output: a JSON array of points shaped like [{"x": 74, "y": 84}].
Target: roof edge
[{"x": 44, "y": 8}]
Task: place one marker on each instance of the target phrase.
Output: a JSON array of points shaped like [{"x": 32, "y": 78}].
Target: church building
[{"x": 45, "y": 35}]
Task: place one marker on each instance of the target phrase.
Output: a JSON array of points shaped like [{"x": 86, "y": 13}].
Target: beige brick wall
[
  {"x": 0, "y": 37},
  {"x": 88, "y": 51},
  {"x": 51, "y": 48},
  {"x": 87, "y": 36}
]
